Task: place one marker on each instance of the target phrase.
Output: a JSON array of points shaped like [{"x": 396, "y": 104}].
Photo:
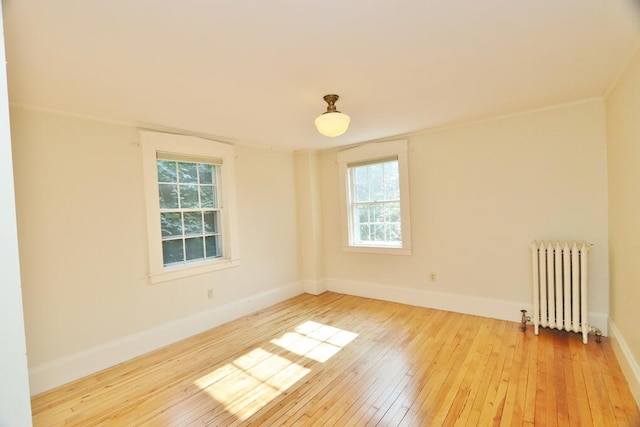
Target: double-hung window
[
  {"x": 189, "y": 189},
  {"x": 375, "y": 198},
  {"x": 189, "y": 209}
]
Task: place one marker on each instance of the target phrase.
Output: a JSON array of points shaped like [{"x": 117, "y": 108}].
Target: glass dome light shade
[{"x": 332, "y": 123}]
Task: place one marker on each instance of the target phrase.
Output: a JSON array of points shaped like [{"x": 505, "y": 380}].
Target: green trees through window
[
  {"x": 376, "y": 202},
  {"x": 189, "y": 211}
]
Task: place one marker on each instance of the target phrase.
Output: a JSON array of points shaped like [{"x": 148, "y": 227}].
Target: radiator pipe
[{"x": 525, "y": 319}]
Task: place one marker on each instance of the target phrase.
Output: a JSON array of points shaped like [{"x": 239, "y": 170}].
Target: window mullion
[
  {"x": 184, "y": 245},
  {"x": 198, "y": 185}
]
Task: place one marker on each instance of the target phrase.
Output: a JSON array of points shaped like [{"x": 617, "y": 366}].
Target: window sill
[
  {"x": 377, "y": 250},
  {"x": 181, "y": 272}
]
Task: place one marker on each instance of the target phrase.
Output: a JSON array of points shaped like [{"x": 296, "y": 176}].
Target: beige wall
[
  {"x": 82, "y": 235},
  {"x": 623, "y": 141},
  {"x": 309, "y": 212},
  {"x": 479, "y": 195}
]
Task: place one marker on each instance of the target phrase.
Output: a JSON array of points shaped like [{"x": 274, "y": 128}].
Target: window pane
[
  {"x": 172, "y": 251},
  {"x": 171, "y": 223},
  {"x": 362, "y": 192},
  {"x": 361, "y": 183},
  {"x": 207, "y": 196},
  {"x": 211, "y": 222},
  {"x": 166, "y": 171},
  {"x": 378, "y": 232},
  {"x": 213, "y": 246},
  {"x": 391, "y": 181},
  {"x": 363, "y": 213},
  {"x": 376, "y": 183},
  {"x": 394, "y": 233},
  {"x": 188, "y": 196},
  {"x": 187, "y": 173},
  {"x": 168, "y": 196},
  {"x": 392, "y": 212},
  {"x": 377, "y": 213},
  {"x": 360, "y": 174},
  {"x": 206, "y": 173},
  {"x": 364, "y": 233},
  {"x": 192, "y": 223},
  {"x": 390, "y": 168},
  {"x": 194, "y": 248}
]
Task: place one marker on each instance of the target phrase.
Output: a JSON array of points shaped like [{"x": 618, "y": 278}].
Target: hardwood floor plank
[
  {"x": 492, "y": 406},
  {"x": 484, "y": 385},
  {"x": 532, "y": 382},
  {"x": 395, "y": 377},
  {"x": 459, "y": 396},
  {"x": 357, "y": 381},
  {"x": 570, "y": 387},
  {"x": 469, "y": 416},
  {"x": 421, "y": 355},
  {"x": 513, "y": 403},
  {"x": 604, "y": 399},
  {"x": 334, "y": 360},
  {"x": 611, "y": 386},
  {"x": 595, "y": 404},
  {"x": 626, "y": 399},
  {"x": 584, "y": 410},
  {"x": 440, "y": 364},
  {"x": 551, "y": 393}
]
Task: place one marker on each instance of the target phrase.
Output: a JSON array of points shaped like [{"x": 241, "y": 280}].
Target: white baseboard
[
  {"x": 628, "y": 363},
  {"x": 458, "y": 303},
  {"x": 58, "y": 372},
  {"x": 314, "y": 287}
]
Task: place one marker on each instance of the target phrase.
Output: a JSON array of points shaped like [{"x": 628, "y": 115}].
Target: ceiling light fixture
[{"x": 332, "y": 122}]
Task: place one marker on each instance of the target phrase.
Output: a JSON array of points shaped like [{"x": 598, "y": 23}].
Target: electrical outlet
[
  {"x": 210, "y": 293},
  {"x": 433, "y": 277}
]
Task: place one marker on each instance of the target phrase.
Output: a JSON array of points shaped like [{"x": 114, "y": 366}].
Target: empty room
[{"x": 365, "y": 213}]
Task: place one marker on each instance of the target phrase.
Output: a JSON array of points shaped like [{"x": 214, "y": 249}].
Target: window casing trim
[
  {"x": 161, "y": 145},
  {"x": 366, "y": 154}
]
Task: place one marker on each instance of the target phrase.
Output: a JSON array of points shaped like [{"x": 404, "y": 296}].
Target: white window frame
[
  {"x": 370, "y": 153},
  {"x": 153, "y": 143}
]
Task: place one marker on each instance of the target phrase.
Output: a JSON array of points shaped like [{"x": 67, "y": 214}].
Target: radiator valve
[{"x": 598, "y": 333}]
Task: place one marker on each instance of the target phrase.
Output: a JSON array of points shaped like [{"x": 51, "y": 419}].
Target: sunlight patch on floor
[
  {"x": 254, "y": 379},
  {"x": 251, "y": 381},
  {"x": 315, "y": 341}
]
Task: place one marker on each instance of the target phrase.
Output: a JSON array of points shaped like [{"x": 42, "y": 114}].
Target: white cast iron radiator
[{"x": 560, "y": 286}]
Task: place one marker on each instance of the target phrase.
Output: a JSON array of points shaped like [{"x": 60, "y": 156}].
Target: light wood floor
[{"x": 338, "y": 360}]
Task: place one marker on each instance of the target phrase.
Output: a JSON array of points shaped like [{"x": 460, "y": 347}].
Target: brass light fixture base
[{"x": 331, "y": 100}]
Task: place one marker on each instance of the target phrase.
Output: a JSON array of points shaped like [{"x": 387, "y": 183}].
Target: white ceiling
[{"x": 255, "y": 71}]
